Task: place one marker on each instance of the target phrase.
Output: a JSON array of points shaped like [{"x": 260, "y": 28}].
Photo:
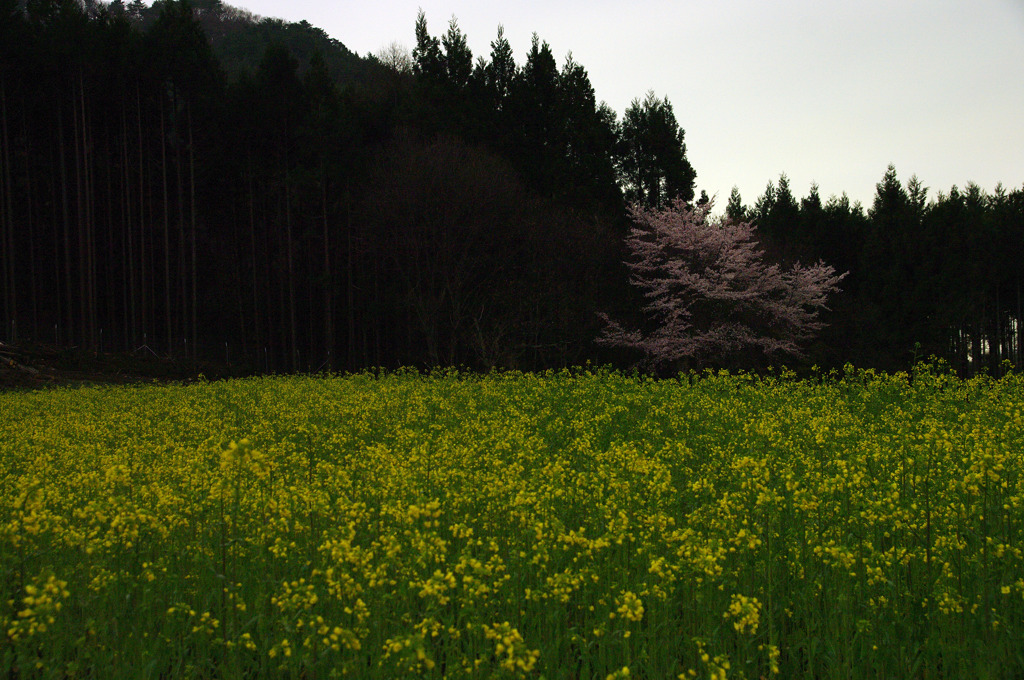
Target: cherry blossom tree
[{"x": 710, "y": 294}]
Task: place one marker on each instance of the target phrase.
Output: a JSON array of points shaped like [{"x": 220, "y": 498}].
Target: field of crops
[{"x": 581, "y": 524}]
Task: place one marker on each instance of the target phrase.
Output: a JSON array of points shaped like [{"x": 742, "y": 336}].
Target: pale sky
[{"x": 826, "y": 91}]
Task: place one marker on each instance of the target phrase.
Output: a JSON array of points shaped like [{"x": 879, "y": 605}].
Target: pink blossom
[{"x": 710, "y": 292}]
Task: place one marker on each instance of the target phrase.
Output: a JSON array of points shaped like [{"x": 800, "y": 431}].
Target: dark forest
[{"x": 189, "y": 181}]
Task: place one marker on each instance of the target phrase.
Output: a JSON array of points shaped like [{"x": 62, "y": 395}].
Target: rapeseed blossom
[
  {"x": 745, "y": 614},
  {"x": 567, "y": 524}
]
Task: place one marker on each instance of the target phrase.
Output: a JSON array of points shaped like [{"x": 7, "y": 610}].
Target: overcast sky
[{"x": 825, "y": 91}]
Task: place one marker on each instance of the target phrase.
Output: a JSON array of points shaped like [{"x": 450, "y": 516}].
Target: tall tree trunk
[
  {"x": 293, "y": 331},
  {"x": 8, "y": 296},
  {"x": 328, "y": 279},
  {"x": 378, "y": 358},
  {"x": 977, "y": 338},
  {"x": 132, "y": 336},
  {"x": 168, "y": 318},
  {"x": 350, "y": 284},
  {"x": 239, "y": 282},
  {"x": 192, "y": 224},
  {"x": 56, "y": 239},
  {"x": 105, "y": 270},
  {"x": 124, "y": 235},
  {"x": 257, "y": 322},
  {"x": 182, "y": 243},
  {"x": 144, "y": 311},
  {"x": 87, "y": 228},
  {"x": 69, "y": 331},
  {"x": 997, "y": 349},
  {"x": 30, "y": 225},
  {"x": 83, "y": 276}
]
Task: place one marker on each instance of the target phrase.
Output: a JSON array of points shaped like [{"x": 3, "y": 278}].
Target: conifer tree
[{"x": 652, "y": 157}]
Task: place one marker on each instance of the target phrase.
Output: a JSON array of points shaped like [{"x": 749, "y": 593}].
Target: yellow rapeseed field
[{"x": 574, "y": 524}]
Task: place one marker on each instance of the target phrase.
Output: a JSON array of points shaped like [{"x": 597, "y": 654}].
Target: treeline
[
  {"x": 443, "y": 212},
  {"x": 927, "y": 277},
  {"x": 188, "y": 180}
]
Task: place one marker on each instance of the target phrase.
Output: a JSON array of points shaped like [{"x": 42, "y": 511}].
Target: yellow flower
[
  {"x": 745, "y": 612},
  {"x": 630, "y": 606}
]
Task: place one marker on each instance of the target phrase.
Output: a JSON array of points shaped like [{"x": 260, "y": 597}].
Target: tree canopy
[
  {"x": 652, "y": 155},
  {"x": 711, "y": 294},
  {"x": 192, "y": 182}
]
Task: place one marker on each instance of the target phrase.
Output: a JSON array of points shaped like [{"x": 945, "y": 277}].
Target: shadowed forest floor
[{"x": 34, "y": 366}]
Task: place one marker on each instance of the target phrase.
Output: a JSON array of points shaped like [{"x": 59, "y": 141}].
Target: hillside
[{"x": 240, "y": 38}]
